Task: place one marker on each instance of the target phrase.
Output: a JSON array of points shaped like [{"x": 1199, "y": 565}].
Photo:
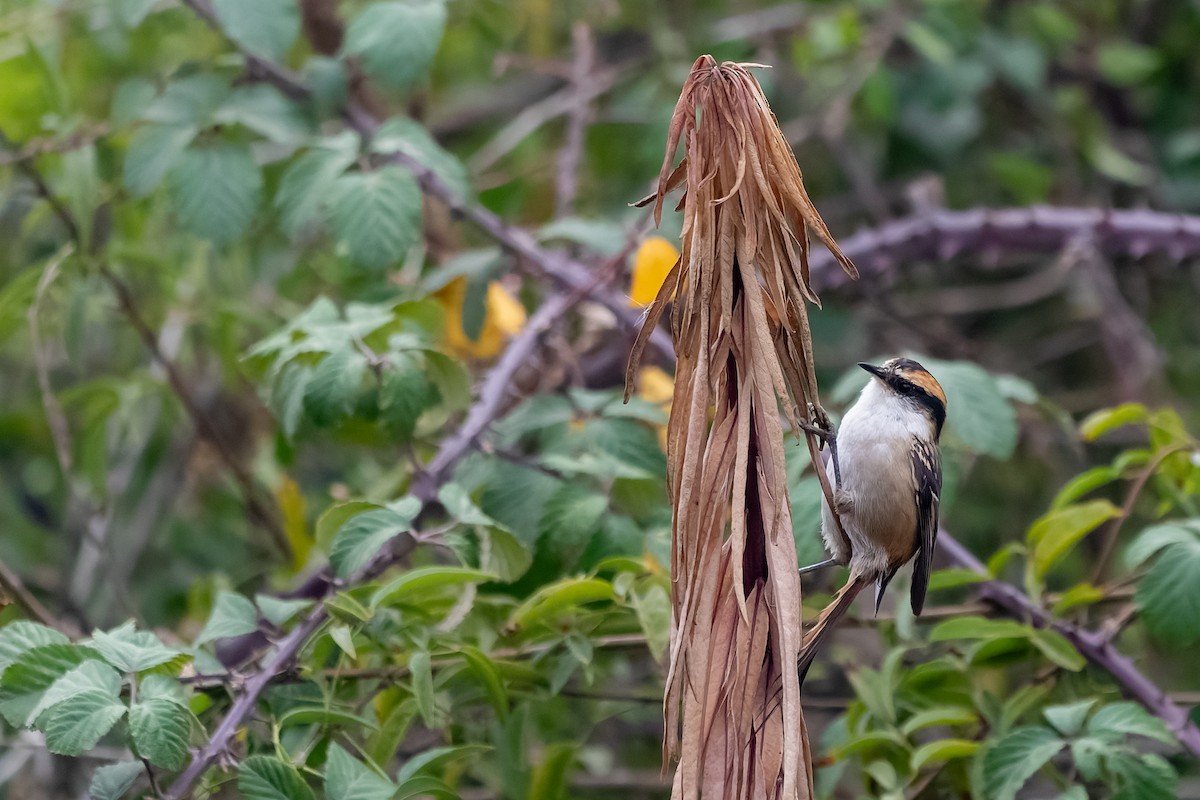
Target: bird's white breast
[{"x": 875, "y": 498}]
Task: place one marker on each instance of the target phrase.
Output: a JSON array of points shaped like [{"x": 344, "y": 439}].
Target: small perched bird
[{"x": 887, "y": 478}]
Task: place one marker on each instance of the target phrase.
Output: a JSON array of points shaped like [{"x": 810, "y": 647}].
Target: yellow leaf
[
  {"x": 656, "y": 386},
  {"x": 291, "y": 503},
  {"x": 651, "y": 265},
  {"x": 503, "y": 316}
]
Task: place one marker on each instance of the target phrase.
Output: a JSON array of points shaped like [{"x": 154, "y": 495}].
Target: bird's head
[{"x": 908, "y": 379}]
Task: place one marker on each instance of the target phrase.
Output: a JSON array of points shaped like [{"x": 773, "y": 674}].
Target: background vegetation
[{"x": 315, "y": 478}]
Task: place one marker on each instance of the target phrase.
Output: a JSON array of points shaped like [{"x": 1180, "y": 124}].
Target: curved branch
[{"x": 1038, "y": 229}]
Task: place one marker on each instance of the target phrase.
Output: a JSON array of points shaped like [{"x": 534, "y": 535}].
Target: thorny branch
[{"x": 1095, "y": 646}]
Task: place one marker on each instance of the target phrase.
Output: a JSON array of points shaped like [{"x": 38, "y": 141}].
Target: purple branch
[
  {"x": 1093, "y": 646},
  {"x": 1039, "y": 229}
]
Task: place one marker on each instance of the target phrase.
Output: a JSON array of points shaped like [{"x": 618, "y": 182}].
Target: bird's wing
[{"x": 927, "y": 474}]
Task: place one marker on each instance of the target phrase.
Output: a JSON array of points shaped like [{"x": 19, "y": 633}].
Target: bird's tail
[{"x": 836, "y": 609}]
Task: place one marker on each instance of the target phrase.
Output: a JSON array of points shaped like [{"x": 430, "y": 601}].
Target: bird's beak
[{"x": 871, "y": 368}]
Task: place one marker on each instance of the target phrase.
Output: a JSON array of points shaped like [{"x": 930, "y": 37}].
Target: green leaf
[
  {"x": 436, "y": 758},
  {"x": 361, "y": 537},
  {"x": 487, "y": 674},
  {"x": 1158, "y": 537},
  {"x": 414, "y": 582},
  {"x": 21, "y": 636},
  {"x": 976, "y": 408},
  {"x": 268, "y": 778},
  {"x": 152, "y": 152},
  {"x": 1101, "y": 422},
  {"x": 425, "y": 786},
  {"x": 422, "y": 686},
  {"x": 262, "y": 109},
  {"x": 278, "y": 611},
  {"x": 321, "y": 715},
  {"x": 74, "y": 726},
  {"x": 403, "y": 135},
  {"x": 557, "y": 598},
  {"x": 232, "y": 615},
  {"x": 569, "y": 520},
  {"x": 1009, "y": 763},
  {"x": 549, "y": 781},
  {"x": 1055, "y": 533},
  {"x": 113, "y": 781},
  {"x": 376, "y": 216},
  {"x": 1168, "y": 596},
  {"x": 653, "y": 607},
  {"x": 1082, "y": 484},
  {"x": 343, "y": 637},
  {"x": 1068, "y": 719},
  {"x": 36, "y": 670},
  {"x": 1129, "y": 718},
  {"x": 160, "y": 728},
  {"x": 942, "y": 751},
  {"x": 1125, "y": 63},
  {"x": 458, "y": 504},
  {"x": 131, "y": 650},
  {"x": 90, "y": 676},
  {"x": 976, "y": 627},
  {"x": 1054, "y": 646},
  {"x": 937, "y": 717},
  {"x": 404, "y": 394},
  {"x": 264, "y": 27},
  {"x": 190, "y": 100},
  {"x": 347, "y": 778},
  {"x": 1145, "y": 777},
  {"x": 397, "y": 40},
  {"x": 1078, "y": 595},
  {"x": 334, "y": 387},
  {"x": 306, "y": 185},
  {"x": 954, "y": 578},
  {"x": 503, "y": 554},
  {"x": 216, "y": 189}
]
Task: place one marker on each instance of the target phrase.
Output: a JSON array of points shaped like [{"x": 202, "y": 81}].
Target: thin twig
[{"x": 566, "y": 183}]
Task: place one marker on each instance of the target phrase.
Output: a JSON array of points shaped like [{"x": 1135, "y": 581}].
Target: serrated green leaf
[
  {"x": 569, "y": 520},
  {"x": 74, "y": 726},
  {"x": 1168, "y": 596},
  {"x": 262, "y": 109},
  {"x": 376, "y": 216},
  {"x": 189, "y": 100},
  {"x": 160, "y": 727},
  {"x": 26, "y": 679},
  {"x": 941, "y": 751},
  {"x": 1009, "y": 763},
  {"x": 437, "y": 757},
  {"x": 1145, "y": 777},
  {"x": 113, "y": 781},
  {"x": 334, "y": 387},
  {"x": 131, "y": 650},
  {"x": 1158, "y": 537},
  {"x": 397, "y": 40},
  {"x": 347, "y": 778},
  {"x": 304, "y": 189},
  {"x": 362, "y": 536},
  {"x": 267, "y": 778},
  {"x": 404, "y": 394},
  {"x": 403, "y": 135},
  {"x": 1068, "y": 719},
  {"x": 414, "y": 582},
  {"x": 1054, "y": 534},
  {"x": 232, "y": 615},
  {"x": 264, "y": 27},
  {"x": 20, "y": 636},
  {"x": 1129, "y": 718},
  {"x": 278, "y": 610},
  {"x": 152, "y": 153},
  {"x": 90, "y": 676},
  {"x": 216, "y": 189},
  {"x": 458, "y": 504}
]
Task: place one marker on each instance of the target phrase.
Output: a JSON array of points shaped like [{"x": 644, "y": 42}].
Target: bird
[{"x": 886, "y": 475}]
